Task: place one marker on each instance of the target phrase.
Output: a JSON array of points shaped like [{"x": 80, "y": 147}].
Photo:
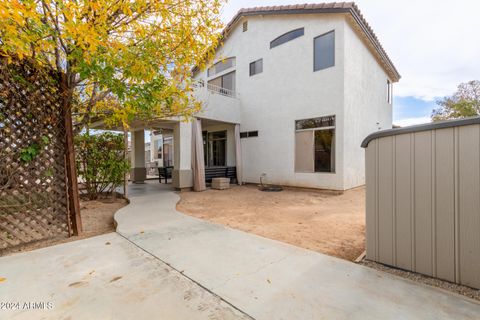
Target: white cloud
[
  {"x": 433, "y": 44},
  {"x": 412, "y": 121}
]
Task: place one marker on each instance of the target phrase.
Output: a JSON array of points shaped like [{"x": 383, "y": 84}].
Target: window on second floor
[
  {"x": 256, "y": 67},
  {"x": 245, "y": 26},
  {"x": 287, "y": 37},
  {"x": 225, "y": 84},
  {"x": 389, "y": 91},
  {"x": 221, "y": 66},
  {"x": 324, "y": 51}
]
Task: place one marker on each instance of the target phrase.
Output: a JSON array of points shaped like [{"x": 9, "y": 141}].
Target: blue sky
[
  {"x": 433, "y": 44},
  {"x": 411, "y": 110}
]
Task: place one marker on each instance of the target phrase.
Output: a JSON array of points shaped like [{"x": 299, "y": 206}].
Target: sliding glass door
[{"x": 215, "y": 148}]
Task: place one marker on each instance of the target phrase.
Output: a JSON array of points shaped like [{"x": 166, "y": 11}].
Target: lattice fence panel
[{"x": 33, "y": 194}]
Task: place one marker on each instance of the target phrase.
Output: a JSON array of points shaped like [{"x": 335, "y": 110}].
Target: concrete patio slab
[
  {"x": 105, "y": 277},
  {"x": 267, "y": 279}
]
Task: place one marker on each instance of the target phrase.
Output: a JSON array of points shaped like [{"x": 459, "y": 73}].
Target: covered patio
[{"x": 203, "y": 149}]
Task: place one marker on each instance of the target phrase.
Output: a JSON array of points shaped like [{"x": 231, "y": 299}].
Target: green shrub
[{"x": 100, "y": 162}]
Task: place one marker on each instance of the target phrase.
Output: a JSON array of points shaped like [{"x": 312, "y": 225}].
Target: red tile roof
[{"x": 329, "y": 7}]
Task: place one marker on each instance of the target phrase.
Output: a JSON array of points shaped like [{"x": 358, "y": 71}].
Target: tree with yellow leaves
[{"x": 122, "y": 58}]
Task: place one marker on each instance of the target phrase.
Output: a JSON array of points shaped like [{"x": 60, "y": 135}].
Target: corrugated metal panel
[{"x": 423, "y": 201}]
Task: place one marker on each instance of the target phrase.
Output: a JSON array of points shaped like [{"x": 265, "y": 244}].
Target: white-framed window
[{"x": 315, "y": 145}]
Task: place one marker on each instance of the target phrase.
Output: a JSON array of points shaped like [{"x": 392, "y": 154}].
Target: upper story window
[
  {"x": 256, "y": 67},
  {"x": 389, "y": 91},
  {"x": 324, "y": 51},
  {"x": 287, "y": 37},
  {"x": 221, "y": 66},
  {"x": 225, "y": 84},
  {"x": 245, "y": 26}
]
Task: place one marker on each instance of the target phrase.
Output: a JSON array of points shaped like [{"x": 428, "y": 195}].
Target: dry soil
[{"x": 329, "y": 222}]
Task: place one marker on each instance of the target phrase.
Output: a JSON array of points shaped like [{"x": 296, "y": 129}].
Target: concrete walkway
[
  {"x": 267, "y": 279},
  {"x": 104, "y": 277},
  {"x": 165, "y": 265}
]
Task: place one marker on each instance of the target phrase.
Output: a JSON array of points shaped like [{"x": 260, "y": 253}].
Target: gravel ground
[{"x": 453, "y": 287}]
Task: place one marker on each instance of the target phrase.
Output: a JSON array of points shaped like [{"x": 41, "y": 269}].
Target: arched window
[{"x": 287, "y": 37}]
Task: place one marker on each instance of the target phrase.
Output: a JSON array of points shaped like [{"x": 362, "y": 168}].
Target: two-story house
[{"x": 290, "y": 96}]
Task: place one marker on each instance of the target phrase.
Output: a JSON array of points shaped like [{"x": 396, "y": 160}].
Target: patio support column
[
  {"x": 238, "y": 155},
  {"x": 198, "y": 165},
  {"x": 138, "y": 173},
  {"x": 182, "y": 177}
]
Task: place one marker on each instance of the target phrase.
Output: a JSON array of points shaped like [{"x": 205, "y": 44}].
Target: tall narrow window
[
  {"x": 389, "y": 91},
  {"x": 315, "y": 145},
  {"x": 287, "y": 37},
  {"x": 245, "y": 26},
  {"x": 256, "y": 67},
  {"x": 324, "y": 51}
]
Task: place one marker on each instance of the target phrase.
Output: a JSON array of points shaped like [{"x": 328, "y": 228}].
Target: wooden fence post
[{"x": 73, "y": 194}]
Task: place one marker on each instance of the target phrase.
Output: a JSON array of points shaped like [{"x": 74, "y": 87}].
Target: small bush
[{"x": 100, "y": 162}]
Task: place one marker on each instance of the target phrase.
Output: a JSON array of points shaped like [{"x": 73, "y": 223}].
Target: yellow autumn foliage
[{"x": 122, "y": 59}]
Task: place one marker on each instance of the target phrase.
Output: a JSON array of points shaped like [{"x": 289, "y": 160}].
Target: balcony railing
[{"x": 216, "y": 89}]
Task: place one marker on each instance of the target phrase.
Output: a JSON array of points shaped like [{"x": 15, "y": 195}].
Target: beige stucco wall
[
  {"x": 289, "y": 89},
  {"x": 366, "y": 106}
]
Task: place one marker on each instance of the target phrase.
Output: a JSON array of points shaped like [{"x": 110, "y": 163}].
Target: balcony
[
  {"x": 222, "y": 91},
  {"x": 218, "y": 103}
]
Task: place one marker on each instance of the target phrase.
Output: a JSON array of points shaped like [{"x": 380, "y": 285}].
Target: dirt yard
[
  {"x": 323, "y": 221},
  {"x": 97, "y": 215}
]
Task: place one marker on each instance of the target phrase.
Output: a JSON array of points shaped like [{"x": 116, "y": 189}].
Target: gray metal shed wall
[{"x": 423, "y": 202}]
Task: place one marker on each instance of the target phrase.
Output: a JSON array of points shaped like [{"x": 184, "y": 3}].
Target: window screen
[
  {"x": 256, "y": 67},
  {"x": 304, "y": 155},
  {"x": 324, "y": 51},
  {"x": 287, "y": 37}
]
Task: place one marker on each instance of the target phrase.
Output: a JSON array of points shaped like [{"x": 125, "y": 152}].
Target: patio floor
[{"x": 163, "y": 264}]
